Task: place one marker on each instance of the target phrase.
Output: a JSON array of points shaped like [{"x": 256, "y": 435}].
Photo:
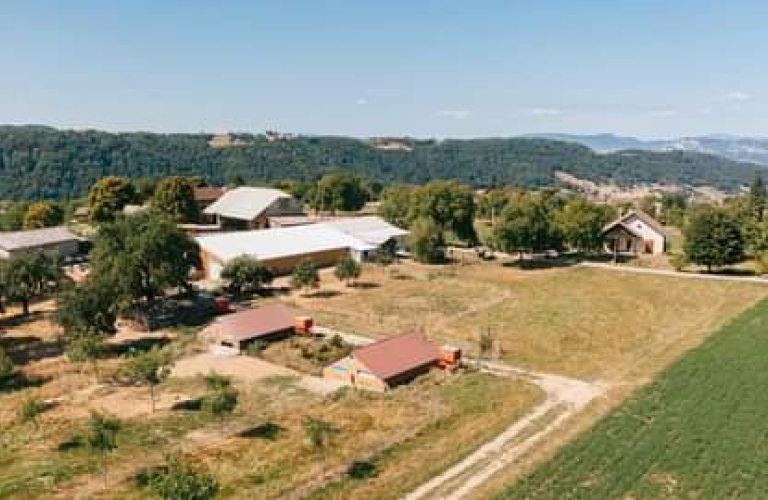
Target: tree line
[{"x": 45, "y": 163}]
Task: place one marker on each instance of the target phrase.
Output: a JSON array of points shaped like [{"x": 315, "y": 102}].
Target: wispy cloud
[
  {"x": 361, "y": 101},
  {"x": 456, "y": 114},
  {"x": 662, "y": 113},
  {"x": 545, "y": 111},
  {"x": 736, "y": 96}
]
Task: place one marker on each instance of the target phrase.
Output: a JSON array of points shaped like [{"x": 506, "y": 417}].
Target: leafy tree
[
  {"x": 28, "y": 276},
  {"x": 246, "y": 275},
  {"x": 7, "y": 368},
  {"x": 492, "y": 203},
  {"x": 142, "y": 256},
  {"x": 449, "y": 204},
  {"x": 149, "y": 368},
  {"x": 175, "y": 196},
  {"x": 581, "y": 224},
  {"x": 12, "y": 218},
  {"x": 178, "y": 480},
  {"x": 85, "y": 346},
  {"x": 101, "y": 438},
  {"x": 305, "y": 275},
  {"x": 89, "y": 307},
  {"x": 348, "y": 270},
  {"x": 221, "y": 398},
  {"x": 395, "y": 204},
  {"x": 43, "y": 214},
  {"x": 713, "y": 238},
  {"x": 108, "y": 197},
  {"x": 338, "y": 191},
  {"x": 525, "y": 226},
  {"x": 318, "y": 434},
  {"x": 426, "y": 242},
  {"x": 757, "y": 197}
]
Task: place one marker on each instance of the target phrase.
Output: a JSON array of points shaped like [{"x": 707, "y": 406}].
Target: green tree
[
  {"x": 525, "y": 226},
  {"x": 7, "y": 368},
  {"x": 177, "y": 480},
  {"x": 85, "y": 346},
  {"x": 101, "y": 438},
  {"x": 448, "y": 204},
  {"x": 348, "y": 270},
  {"x": 89, "y": 307},
  {"x": 43, "y": 214},
  {"x": 395, "y": 204},
  {"x": 757, "y": 197},
  {"x": 581, "y": 224},
  {"x": 485, "y": 343},
  {"x": 222, "y": 398},
  {"x": 318, "y": 435},
  {"x": 108, "y": 197},
  {"x": 12, "y": 218},
  {"x": 338, "y": 191},
  {"x": 28, "y": 276},
  {"x": 713, "y": 238},
  {"x": 426, "y": 242},
  {"x": 175, "y": 196},
  {"x": 143, "y": 256},
  {"x": 149, "y": 368},
  {"x": 492, "y": 203},
  {"x": 305, "y": 276},
  {"x": 246, "y": 275}
]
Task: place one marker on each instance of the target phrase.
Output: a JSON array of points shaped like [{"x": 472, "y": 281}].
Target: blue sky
[{"x": 437, "y": 68}]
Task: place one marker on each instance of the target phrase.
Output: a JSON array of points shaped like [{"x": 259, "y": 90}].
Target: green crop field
[{"x": 699, "y": 431}]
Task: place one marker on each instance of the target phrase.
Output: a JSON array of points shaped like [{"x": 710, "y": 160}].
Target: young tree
[
  {"x": 348, "y": 270},
  {"x": 485, "y": 343},
  {"x": 305, "y": 276},
  {"x": 85, "y": 346},
  {"x": 28, "y": 276},
  {"x": 246, "y": 275},
  {"x": 713, "y": 238},
  {"x": 142, "y": 256},
  {"x": 101, "y": 438},
  {"x": 43, "y": 214},
  {"x": 178, "y": 480},
  {"x": 581, "y": 224},
  {"x": 29, "y": 411},
  {"x": 149, "y": 368},
  {"x": 175, "y": 196},
  {"x": 108, "y": 197},
  {"x": 426, "y": 242},
  {"x": 222, "y": 398},
  {"x": 7, "y": 368},
  {"x": 318, "y": 433}
]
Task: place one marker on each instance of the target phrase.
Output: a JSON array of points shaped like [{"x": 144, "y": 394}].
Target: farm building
[
  {"x": 205, "y": 197},
  {"x": 237, "y": 330},
  {"x": 635, "y": 233},
  {"x": 250, "y": 208},
  {"x": 384, "y": 364},
  {"x": 57, "y": 242},
  {"x": 370, "y": 229},
  {"x": 280, "y": 249}
]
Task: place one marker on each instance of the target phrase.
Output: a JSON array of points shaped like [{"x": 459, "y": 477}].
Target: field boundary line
[{"x": 673, "y": 274}]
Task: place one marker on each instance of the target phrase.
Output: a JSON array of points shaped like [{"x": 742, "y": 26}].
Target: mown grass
[{"x": 697, "y": 432}]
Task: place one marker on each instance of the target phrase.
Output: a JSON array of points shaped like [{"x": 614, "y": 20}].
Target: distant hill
[
  {"x": 41, "y": 162},
  {"x": 748, "y": 149}
]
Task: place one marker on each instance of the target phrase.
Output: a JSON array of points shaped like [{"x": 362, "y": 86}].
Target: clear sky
[{"x": 428, "y": 68}]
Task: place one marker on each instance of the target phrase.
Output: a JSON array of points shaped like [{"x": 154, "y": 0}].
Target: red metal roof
[
  {"x": 255, "y": 323},
  {"x": 397, "y": 355}
]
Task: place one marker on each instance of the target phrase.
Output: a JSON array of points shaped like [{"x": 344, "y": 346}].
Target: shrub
[{"x": 179, "y": 481}]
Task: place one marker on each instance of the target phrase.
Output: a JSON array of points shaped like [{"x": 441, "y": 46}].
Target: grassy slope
[{"x": 697, "y": 432}]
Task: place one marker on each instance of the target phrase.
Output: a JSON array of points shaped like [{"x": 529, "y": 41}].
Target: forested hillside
[{"x": 42, "y": 162}]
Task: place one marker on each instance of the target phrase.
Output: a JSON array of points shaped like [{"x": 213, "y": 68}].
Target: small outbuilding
[
  {"x": 246, "y": 208},
  {"x": 634, "y": 233},
  {"x": 237, "y": 330},
  {"x": 387, "y": 363}
]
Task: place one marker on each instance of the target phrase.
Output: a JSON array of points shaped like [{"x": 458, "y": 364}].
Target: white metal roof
[
  {"x": 371, "y": 229},
  {"x": 268, "y": 244},
  {"x": 32, "y": 238},
  {"x": 245, "y": 203}
]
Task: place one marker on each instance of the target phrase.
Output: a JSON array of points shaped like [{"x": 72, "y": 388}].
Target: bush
[
  {"x": 246, "y": 275},
  {"x": 678, "y": 261},
  {"x": 179, "y": 481}
]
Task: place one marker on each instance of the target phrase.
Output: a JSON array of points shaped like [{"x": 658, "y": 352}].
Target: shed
[
  {"x": 237, "y": 330},
  {"x": 56, "y": 242},
  {"x": 387, "y": 363}
]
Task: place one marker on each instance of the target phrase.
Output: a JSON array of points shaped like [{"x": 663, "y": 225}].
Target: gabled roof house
[
  {"x": 635, "y": 232},
  {"x": 250, "y": 207}
]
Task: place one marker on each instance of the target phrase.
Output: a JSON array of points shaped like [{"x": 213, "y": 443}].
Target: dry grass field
[{"x": 575, "y": 321}]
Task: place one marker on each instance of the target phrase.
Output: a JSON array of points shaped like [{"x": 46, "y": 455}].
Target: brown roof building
[
  {"x": 384, "y": 364},
  {"x": 237, "y": 330}
]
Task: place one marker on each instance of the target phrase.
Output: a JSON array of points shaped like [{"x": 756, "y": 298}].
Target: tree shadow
[
  {"x": 543, "y": 263},
  {"x": 323, "y": 294},
  {"x": 21, "y": 381},
  {"x": 28, "y": 348},
  {"x": 269, "y": 431},
  {"x": 20, "y": 319},
  {"x": 191, "y": 404},
  {"x": 365, "y": 285},
  {"x": 134, "y": 346}
]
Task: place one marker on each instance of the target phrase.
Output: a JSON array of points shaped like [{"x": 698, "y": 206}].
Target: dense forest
[{"x": 41, "y": 162}]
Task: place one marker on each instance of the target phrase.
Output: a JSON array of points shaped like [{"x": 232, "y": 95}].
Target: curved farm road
[{"x": 565, "y": 398}]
